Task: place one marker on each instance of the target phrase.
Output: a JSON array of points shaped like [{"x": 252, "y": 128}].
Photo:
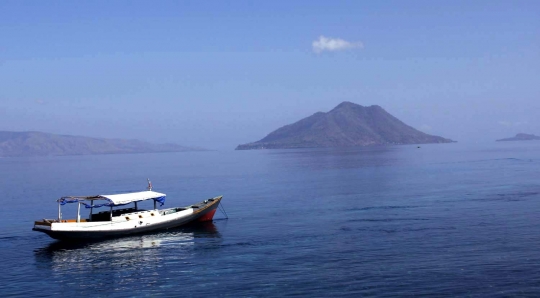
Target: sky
[{"x": 216, "y": 74}]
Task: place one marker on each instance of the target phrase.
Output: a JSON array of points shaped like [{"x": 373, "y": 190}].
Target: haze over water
[{"x": 446, "y": 219}]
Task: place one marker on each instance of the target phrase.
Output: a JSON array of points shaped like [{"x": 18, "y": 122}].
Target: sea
[{"x": 441, "y": 220}]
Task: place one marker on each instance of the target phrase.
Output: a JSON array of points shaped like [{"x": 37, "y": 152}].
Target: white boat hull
[{"x": 129, "y": 223}]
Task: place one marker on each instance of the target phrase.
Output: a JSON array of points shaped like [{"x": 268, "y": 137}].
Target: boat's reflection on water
[{"x": 138, "y": 250}]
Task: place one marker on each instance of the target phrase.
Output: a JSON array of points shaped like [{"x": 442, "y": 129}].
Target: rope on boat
[{"x": 223, "y": 210}]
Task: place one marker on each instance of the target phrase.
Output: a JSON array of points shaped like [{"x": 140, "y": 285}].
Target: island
[
  {"x": 347, "y": 125},
  {"x": 521, "y": 137},
  {"x": 34, "y": 143}
]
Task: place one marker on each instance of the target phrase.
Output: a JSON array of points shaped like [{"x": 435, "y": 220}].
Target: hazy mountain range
[
  {"x": 33, "y": 143},
  {"x": 347, "y": 125}
]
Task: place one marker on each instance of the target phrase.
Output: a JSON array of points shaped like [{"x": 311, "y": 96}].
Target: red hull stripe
[{"x": 208, "y": 216}]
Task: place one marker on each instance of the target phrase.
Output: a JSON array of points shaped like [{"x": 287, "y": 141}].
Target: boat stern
[{"x": 43, "y": 224}]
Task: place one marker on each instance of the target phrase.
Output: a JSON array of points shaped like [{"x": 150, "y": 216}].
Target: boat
[{"x": 121, "y": 219}]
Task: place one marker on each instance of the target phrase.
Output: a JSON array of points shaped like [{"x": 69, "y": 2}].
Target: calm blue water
[{"x": 450, "y": 220}]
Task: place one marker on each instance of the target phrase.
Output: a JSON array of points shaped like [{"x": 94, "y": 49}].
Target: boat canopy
[
  {"x": 117, "y": 199},
  {"x": 126, "y": 198}
]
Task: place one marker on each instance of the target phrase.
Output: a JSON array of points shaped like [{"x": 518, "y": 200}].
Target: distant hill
[
  {"x": 347, "y": 125},
  {"x": 35, "y": 143},
  {"x": 521, "y": 137}
]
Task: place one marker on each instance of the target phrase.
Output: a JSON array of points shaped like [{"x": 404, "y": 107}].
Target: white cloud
[{"x": 334, "y": 44}]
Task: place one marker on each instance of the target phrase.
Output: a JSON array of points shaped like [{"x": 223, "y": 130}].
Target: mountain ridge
[
  {"x": 35, "y": 143},
  {"x": 520, "y": 137},
  {"x": 346, "y": 125}
]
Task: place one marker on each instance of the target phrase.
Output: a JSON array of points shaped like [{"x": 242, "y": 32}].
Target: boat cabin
[{"x": 110, "y": 202}]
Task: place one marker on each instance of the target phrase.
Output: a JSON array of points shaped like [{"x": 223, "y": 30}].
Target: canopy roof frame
[{"x": 117, "y": 199}]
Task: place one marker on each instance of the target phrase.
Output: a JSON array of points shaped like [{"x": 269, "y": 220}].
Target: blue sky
[{"x": 217, "y": 74}]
